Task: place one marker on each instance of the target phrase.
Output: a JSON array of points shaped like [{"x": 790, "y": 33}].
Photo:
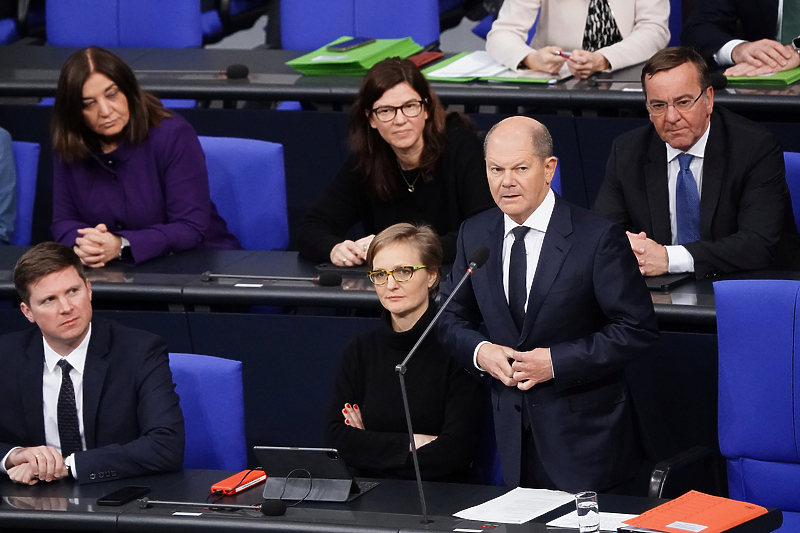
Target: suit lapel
[
  {"x": 657, "y": 186},
  {"x": 714, "y": 162},
  {"x": 555, "y": 248},
  {"x": 32, "y": 375},
  {"x": 495, "y": 273},
  {"x": 93, "y": 378}
]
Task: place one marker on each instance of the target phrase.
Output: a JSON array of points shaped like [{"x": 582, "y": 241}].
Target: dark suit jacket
[
  {"x": 132, "y": 421},
  {"x": 713, "y": 23},
  {"x": 745, "y": 207},
  {"x": 590, "y": 306}
]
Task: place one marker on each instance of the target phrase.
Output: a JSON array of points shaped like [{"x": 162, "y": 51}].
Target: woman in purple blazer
[{"x": 129, "y": 177}]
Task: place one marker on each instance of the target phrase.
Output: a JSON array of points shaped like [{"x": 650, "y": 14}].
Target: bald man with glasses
[{"x": 699, "y": 189}]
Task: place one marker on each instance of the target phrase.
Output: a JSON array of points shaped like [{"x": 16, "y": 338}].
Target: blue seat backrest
[
  {"x": 248, "y": 185},
  {"x": 675, "y": 22},
  {"x": 26, "y": 157},
  {"x": 759, "y": 404},
  {"x": 792, "y": 160},
  {"x": 212, "y": 401},
  {"x": 309, "y": 24}
]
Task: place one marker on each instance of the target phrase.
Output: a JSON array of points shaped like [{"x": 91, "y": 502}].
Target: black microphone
[
  {"x": 477, "y": 258},
  {"x": 326, "y": 279},
  {"x": 718, "y": 80},
  {"x": 268, "y": 508},
  {"x": 237, "y": 71}
]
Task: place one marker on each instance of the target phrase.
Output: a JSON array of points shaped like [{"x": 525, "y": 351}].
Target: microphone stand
[{"x": 401, "y": 370}]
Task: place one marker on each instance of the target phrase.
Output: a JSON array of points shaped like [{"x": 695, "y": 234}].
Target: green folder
[
  {"x": 429, "y": 72},
  {"x": 357, "y": 62},
  {"x": 787, "y": 77}
]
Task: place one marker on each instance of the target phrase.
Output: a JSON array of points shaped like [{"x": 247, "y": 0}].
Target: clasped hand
[
  {"x": 581, "y": 63},
  {"x": 652, "y": 257},
  {"x": 31, "y": 465},
  {"x": 97, "y": 246},
  {"x": 762, "y": 57},
  {"x": 516, "y": 369}
]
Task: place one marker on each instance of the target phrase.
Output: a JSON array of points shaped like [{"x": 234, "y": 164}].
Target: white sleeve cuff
[
  {"x": 3, "y": 469},
  {"x": 475, "y": 355},
  {"x": 680, "y": 260},
  {"x": 70, "y": 462},
  {"x": 723, "y": 56}
]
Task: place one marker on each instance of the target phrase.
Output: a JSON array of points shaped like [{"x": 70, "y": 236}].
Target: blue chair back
[
  {"x": 26, "y": 157},
  {"x": 8, "y": 31},
  {"x": 310, "y": 24},
  {"x": 555, "y": 183},
  {"x": 675, "y": 22},
  {"x": 212, "y": 401},
  {"x": 123, "y": 23},
  {"x": 482, "y": 28},
  {"x": 759, "y": 391},
  {"x": 792, "y": 160},
  {"x": 248, "y": 185}
]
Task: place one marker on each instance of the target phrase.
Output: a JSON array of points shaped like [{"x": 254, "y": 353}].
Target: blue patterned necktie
[
  {"x": 687, "y": 202},
  {"x": 69, "y": 432},
  {"x": 517, "y": 271}
]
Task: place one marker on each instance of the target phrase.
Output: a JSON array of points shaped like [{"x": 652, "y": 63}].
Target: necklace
[{"x": 403, "y": 175}]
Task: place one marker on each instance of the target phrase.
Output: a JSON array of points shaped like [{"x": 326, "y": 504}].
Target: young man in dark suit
[
  {"x": 565, "y": 309},
  {"x": 82, "y": 397},
  {"x": 699, "y": 190}
]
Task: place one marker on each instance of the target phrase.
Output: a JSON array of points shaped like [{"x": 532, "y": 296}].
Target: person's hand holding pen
[
  {"x": 547, "y": 59},
  {"x": 583, "y": 64}
]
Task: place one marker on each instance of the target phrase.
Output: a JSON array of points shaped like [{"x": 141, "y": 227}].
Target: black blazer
[
  {"x": 745, "y": 207},
  {"x": 713, "y": 23},
  {"x": 589, "y": 304},
  {"x": 132, "y": 421}
]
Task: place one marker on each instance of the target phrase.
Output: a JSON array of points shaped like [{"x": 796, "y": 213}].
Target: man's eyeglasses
[
  {"x": 681, "y": 106},
  {"x": 400, "y": 274},
  {"x": 388, "y": 112}
]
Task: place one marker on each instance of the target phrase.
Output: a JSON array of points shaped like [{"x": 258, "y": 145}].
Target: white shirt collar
[
  {"x": 539, "y": 219},
  {"x": 698, "y": 149},
  {"x": 76, "y": 358}
]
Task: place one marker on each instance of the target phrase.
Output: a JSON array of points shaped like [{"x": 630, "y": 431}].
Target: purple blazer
[{"x": 154, "y": 194}]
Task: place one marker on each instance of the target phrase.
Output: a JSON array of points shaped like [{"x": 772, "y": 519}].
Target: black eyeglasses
[
  {"x": 681, "y": 106},
  {"x": 388, "y": 112},
  {"x": 400, "y": 274}
]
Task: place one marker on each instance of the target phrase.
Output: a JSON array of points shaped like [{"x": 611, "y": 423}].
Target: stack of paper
[
  {"x": 787, "y": 77},
  {"x": 356, "y": 62},
  {"x": 517, "y": 506},
  {"x": 469, "y": 66}
]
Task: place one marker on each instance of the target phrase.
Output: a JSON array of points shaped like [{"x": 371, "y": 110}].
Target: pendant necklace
[{"x": 403, "y": 175}]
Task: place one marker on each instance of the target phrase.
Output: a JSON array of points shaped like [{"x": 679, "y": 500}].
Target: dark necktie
[
  {"x": 687, "y": 202},
  {"x": 517, "y": 270},
  {"x": 790, "y": 21},
  {"x": 69, "y": 432}
]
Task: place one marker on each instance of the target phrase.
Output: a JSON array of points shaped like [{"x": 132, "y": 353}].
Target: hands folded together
[
  {"x": 31, "y": 465},
  {"x": 581, "y": 63}
]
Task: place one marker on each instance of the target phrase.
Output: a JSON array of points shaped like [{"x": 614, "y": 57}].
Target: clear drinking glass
[{"x": 588, "y": 512}]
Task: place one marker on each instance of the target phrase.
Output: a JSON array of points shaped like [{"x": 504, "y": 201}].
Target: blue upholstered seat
[
  {"x": 26, "y": 157},
  {"x": 248, "y": 186},
  {"x": 792, "y": 160},
  {"x": 212, "y": 401}
]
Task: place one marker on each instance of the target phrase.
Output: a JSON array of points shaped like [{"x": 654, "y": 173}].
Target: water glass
[{"x": 588, "y": 512}]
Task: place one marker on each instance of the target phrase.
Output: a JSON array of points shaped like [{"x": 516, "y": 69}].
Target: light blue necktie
[{"x": 687, "y": 202}]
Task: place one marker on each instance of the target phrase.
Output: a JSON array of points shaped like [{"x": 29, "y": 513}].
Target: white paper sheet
[
  {"x": 475, "y": 65},
  {"x": 608, "y": 521},
  {"x": 517, "y": 506}
]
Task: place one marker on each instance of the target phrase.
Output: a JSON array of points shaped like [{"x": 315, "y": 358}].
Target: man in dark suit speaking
[
  {"x": 699, "y": 189},
  {"x": 81, "y": 397},
  {"x": 565, "y": 309}
]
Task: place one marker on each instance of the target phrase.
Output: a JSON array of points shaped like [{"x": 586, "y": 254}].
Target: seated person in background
[
  {"x": 129, "y": 177},
  {"x": 755, "y": 36},
  {"x": 700, "y": 190},
  {"x": 367, "y": 421},
  {"x": 596, "y": 34},
  {"x": 409, "y": 163},
  {"x": 114, "y": 414},
  {"x": 8, "y": 188}
]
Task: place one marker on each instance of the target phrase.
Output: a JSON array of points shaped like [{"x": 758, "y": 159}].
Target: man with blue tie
[
  {"x": 565, "y": 310},
  {"x": 699, "y": 189}
]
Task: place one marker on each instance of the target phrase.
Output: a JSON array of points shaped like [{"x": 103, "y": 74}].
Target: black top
[
  {"x": 443, "y": 398},
  {"x": 458, "y": 191}
]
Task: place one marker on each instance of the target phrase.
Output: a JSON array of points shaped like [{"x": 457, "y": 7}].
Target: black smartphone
[
  {"x": 123, "y": 495},
  {"x": 350, "y": 44}
]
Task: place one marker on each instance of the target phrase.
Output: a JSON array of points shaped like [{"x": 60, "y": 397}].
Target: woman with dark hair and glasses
[
  {"x": 129, "y": 177},
  {"x": 408, "y": 163},
  {"x": 366, "y": 422}
]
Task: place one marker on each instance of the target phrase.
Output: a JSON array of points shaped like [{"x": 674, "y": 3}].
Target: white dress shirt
[
  {"x": 680, "y": 260},
  {"x": 724, "y": 56},
  {"x": 51, "y": 386},
  {"x": 537, "y": 222}
]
